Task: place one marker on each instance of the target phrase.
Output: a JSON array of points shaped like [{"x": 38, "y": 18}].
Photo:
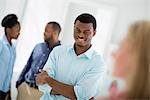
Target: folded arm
[{"x": 58, "y": 88}]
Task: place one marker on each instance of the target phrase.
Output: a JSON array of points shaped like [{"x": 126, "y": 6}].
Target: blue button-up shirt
[
  {"x": 35, "y": 62},
  {"x": 84, "y": 72},
  {"x": 7, "y": 59}
]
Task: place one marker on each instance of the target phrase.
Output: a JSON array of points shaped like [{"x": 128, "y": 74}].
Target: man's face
[
  {"x": 83, "y": 33},
  {"x": 48, "y": 32},
  {"x": 15, "y": 31}
]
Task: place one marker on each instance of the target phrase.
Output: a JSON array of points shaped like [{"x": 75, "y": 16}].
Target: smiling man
[{"x": 73, "y": 72}]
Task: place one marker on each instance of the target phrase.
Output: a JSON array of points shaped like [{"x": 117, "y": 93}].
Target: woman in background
[
  {"x": 7, "y": 54},
  {"x": 132, "y": 63}
]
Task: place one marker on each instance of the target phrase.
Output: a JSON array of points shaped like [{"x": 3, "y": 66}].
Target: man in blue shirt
[
  {"x": 8, "y": 54},
  {"x": 27, "y": 88},
  {"x": 73, "y": 72}
]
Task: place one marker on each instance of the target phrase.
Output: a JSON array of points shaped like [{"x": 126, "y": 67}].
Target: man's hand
[
  {"x": 58, "y": 88},
  {"x": 42, "y": 78}
]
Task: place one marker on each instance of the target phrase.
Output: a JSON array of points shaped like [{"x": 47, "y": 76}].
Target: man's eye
[
  {"x": 86, "y": 33},
  {"x": 77, "y": 31}
]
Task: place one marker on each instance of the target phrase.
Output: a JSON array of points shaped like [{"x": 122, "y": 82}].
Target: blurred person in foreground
[{"x": 132, "y": 63}]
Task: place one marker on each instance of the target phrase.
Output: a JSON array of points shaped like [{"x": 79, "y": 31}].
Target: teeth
[{"x": 80, "y": 39}]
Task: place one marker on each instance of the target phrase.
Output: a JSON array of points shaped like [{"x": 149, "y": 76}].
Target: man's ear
[
  {"x": 94, "y": 33},
  {"x": 8, "y": 30}
]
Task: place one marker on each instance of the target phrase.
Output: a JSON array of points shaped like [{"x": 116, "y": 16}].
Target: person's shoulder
[
  {"x": 59, "y": 50},
  {"x": 62, "y": 48},
  {"x": 40, "y": 44},
  {"x": 1, "y": 40},
  {"x": 96, "y": 55},
  {"x": 1, "y": 43},
  {"x": 98, "y": 58}
]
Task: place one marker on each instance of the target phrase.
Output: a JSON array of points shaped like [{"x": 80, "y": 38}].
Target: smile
[{"x": 80, "y": 39}]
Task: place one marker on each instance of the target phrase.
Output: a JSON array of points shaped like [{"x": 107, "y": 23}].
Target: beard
[{"x": 48, "y": 39}]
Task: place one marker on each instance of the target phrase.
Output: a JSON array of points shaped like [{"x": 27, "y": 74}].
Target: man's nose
[{"x": 80, "y": 34}]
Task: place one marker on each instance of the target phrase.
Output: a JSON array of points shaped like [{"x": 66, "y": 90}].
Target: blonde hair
[{"x": 139, "y": 46}]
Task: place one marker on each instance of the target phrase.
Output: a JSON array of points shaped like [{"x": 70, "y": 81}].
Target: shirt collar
[
  {"x": 5, "y": 40},
  {"x": 56, "y": 44},
  {"x": 88, "y": 53}
]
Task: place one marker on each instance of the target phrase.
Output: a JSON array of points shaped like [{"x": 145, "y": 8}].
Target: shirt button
[
  {"x": 38, "y": 68},
  {"x": 35, "y": 75},
  {"x": 40, "y": 61}
]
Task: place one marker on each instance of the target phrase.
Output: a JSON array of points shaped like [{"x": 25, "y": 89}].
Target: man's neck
[
  {"x": 51, "y": 43},
  {"x": 80, "y": 50}
]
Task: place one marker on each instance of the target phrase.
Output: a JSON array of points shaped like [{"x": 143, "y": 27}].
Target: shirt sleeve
[
  {"x": 89, "y": 85},
  {"x": 24, "y": 71},
  {"x": 49, "y": 67}
]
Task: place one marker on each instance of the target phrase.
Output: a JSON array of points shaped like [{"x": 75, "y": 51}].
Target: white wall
[
  {"x": 2, "y": 7},
  {"x": 11, "y": 6},
  {"x": 104, "y": 14},
  {"x": 148, "y": 5},
  {"x": 128, "y": 11}
]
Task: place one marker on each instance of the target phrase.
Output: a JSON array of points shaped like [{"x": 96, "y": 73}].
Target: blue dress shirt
[
  {"x": 84, "y": 72},
  {"x": 35, "y": 62},
  {"x": 7, "y": 59}
]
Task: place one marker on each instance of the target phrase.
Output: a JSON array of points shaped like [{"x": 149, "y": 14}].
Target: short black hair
[
  {"x": 55, "y": 26},
  {"x": 87, "y": 18}
]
